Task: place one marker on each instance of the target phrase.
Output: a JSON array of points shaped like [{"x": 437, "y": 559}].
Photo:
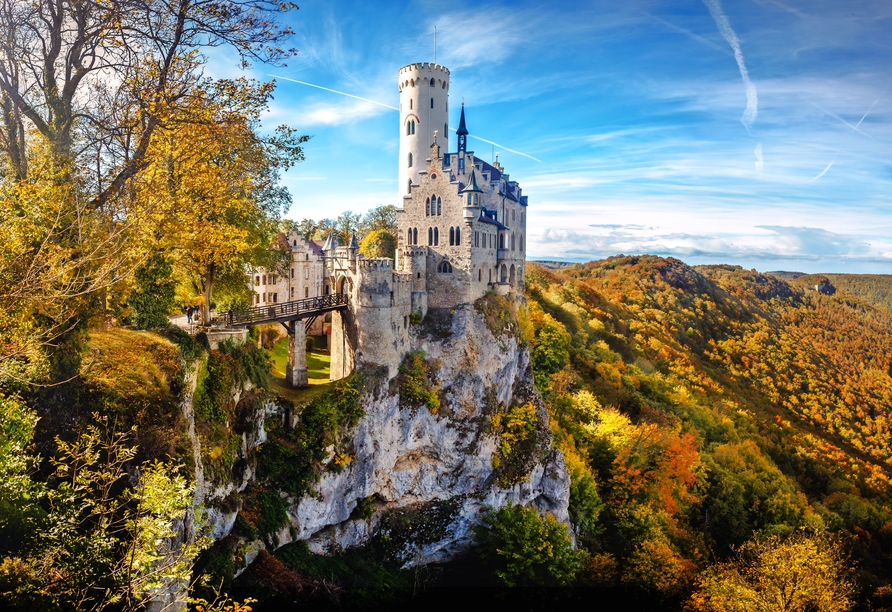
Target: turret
[
  {"x": 424, "y": 109},
  {"x": 472, "y": 198}
]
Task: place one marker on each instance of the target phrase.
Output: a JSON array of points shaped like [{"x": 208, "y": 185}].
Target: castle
[{"x": 461, "y": 232}]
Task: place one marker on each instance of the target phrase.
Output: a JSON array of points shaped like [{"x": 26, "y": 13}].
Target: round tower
[{"x": 424, "y": 109}]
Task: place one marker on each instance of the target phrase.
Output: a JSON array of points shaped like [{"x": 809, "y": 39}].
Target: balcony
[{"x": 501, "y": 254}]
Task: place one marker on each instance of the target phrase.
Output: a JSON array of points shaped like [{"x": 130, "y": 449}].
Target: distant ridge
[
  {"x": 554, "y": 265},
  {"x": 876, "y": 289}
]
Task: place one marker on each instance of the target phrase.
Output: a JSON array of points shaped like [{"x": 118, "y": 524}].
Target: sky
[{"x": 752, "y": 132}]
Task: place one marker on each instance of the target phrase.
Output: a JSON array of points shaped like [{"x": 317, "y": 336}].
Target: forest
[{"x": 726, "y": 432}]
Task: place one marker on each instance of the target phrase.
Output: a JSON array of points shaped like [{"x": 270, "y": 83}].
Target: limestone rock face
[
  {"x": 406, "y": 459},
  {"x": 409, "y": 458}
]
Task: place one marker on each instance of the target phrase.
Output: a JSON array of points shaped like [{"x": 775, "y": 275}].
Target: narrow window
[
  {"x": 408, "y": 128},
  {"x": 410, "y": 160},
  {"x": 451, "y": 236},
  {"x": 410, "y": 104},
  {"x": 413, "y": 127},
  {"x": 432, "y": 83},
  {"x": 430, "y": 236},
  {"x": 264, "y": 279},
  {"x": 292, "y": 272},
  {"x": 292, "y": 293},
  {"x": 480, "y": 275},
  {"x": 436, "y": 236},
  {"x": 432, "y": 102},
  {"x": 307, "y": 273},
  {"x": 446, "y": 132},
  {"x": 457, "y": 236},
  {"x": 427, "y": 207},
  {"x": 416, "y": 235},
  {"x": 512, "y": 242},
  {"x": 256, "y": 298},
  {"x": 409, "y": 188},
  {"x": 439, "y": 206},
  {"x": 306, "y": 292},
  {"x": 275, "y": 297},
  {"x": 256, "y": 281},
  {"x": 521, "y": 244}
]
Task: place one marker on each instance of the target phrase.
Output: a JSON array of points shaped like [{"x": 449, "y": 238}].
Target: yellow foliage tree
[
  {"x": 806, "y": 571},
  {"x": 211, "y": 188}
]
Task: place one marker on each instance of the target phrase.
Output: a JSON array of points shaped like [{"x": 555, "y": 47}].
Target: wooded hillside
[{"x": 700, "y": 407}]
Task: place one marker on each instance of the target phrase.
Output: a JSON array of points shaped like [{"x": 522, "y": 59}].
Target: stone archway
[{"x": 511, "y": 275}]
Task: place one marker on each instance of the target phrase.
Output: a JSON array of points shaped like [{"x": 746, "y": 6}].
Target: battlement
[
  {"x": 375, "y": 263},
  {"x": 419, "y": 66}
]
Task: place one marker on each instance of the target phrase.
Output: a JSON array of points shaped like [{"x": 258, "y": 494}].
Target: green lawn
[{"x": 318, "y": 365}]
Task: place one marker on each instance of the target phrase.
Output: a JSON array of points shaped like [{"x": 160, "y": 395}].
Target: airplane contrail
[
  {"x": 342, "y": 93},
  {"x": 275, "y": 76},
  {"x": 837, "y": 117},
  {"x": 824, "y": 171},
  {"x": 690, "y": 34},
  {"x": 727, "y": 32},
  {"x": 865, "y": 114}
]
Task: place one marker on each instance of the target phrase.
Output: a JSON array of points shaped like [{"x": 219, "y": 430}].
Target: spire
[
  {"x": 462, "y": 133},
  {"x": 353, "y": 244},
  {"x": 462, "y": 130}
]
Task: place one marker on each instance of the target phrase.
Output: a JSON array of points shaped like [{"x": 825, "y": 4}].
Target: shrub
[
  {"x": 525, "y": 549},
  {"x": 499, "y": 313},
  {"x": 417, "y": 382}
]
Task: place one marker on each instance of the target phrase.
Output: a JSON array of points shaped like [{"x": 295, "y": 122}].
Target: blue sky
[{"x": 755, "y": 132}]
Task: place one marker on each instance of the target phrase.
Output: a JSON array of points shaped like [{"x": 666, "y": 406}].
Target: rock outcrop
[{"x": 409, "y": 459}]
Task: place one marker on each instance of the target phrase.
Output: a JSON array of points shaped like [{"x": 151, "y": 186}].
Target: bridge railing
[{"x": 294, "y": 309}]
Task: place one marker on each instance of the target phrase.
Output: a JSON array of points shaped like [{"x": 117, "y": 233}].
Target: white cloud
[{"x": 760, "y": 161}]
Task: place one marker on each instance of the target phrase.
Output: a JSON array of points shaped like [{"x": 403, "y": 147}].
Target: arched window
[
  {"x": 521, "y": 244},
  {"x": 408, "y": 128},
  {"x": 451, "y": 236},
  {"x": 457, "y": 236},
  {"x": 427, "y": 207},
  {"x": 444, "y": 267},
  {"x": 413, "y": 127},
  {"x": 439, "y": 206},
  {"x": 415, "y": 232},
  {"x": 430, "y": 236},
  {"x": 469, "y": 199},
  {"x": 436, "y": 236},
  {"x": 432, "y": 102},
  {"x": 501, "y": 241},
  {"x": 432, "y": 83},
  {"x": 410, "y": 160}
]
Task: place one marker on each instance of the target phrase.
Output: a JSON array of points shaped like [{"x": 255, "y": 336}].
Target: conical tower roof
[
  {"x": 472, "y": 185},
  {"x": 462, "y": 130}
]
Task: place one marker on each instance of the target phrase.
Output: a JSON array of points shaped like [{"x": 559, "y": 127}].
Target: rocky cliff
[{"x": 480, "y": 440}]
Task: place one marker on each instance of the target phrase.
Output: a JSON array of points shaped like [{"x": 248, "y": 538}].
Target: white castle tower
[{"x": 424, "y": 109}]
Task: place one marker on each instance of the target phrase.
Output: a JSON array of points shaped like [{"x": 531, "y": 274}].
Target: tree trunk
[{"x": 207, "y": 288}]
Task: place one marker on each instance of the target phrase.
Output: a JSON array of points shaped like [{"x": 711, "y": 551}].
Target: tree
[
  {"x": 525, "y": 549},
  {"x": 803, "y": 572},
  {"x": 378, "y": 243},
  {"x": 213, "y": 184},
  {"x": 380, "y": 218},
  {"x": 99, "y": 542},
  {"x": 153, "y": 297}
]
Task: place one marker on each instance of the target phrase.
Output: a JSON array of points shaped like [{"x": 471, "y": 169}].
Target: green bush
[
  {"x": 525, "y": 549},
  {"x": 417, "y": 382},
  {"x": 189, "y": 348}
]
